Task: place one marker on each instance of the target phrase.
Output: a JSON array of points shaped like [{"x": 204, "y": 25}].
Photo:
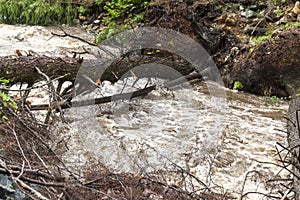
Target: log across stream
[{"x": 182, "y": 126}]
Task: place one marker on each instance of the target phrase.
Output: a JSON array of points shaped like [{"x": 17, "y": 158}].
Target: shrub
[
  {"x": 120, "y": 12},
  {"x": 36, "y": 12},
  {"x": 6, "y": 101},
  {"x": 237, "y": 85}
]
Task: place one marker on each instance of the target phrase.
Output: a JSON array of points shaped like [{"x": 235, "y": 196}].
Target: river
[{"x": 168, "y": 132}]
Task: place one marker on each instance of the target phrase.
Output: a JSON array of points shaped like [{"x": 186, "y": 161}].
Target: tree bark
[
  {"x": 22, "y": 68},
  {"x": 293, "y": 130}
]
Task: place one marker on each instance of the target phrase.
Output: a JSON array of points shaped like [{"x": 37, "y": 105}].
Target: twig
[
  {"x": 245, "y": 180},
  {"x": 27, "y": 187},
  {"x": 19, "y": 145},
  {"x": 267, "y": 12},
  {"x": 260, "y": 193},
  {"x": 72, "y": 36},
  {"x": 22, "y": 171},
  {"x": 50, "y": 85},
  {"x": 52, "y": 95},
  {"x": 298, "y": 126},
  {"x": 184, "y": 170},
  {"x": 286, "y": 193},
  {"x": 15, "y": 170},
  {"x": 83, "y": 40},
  {"x": 34, "y": 87},
  {"x": 41, "y": 161}
]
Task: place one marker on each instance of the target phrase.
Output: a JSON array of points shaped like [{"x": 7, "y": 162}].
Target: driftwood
[
  {"x": 293, "y": 129},
  {"x": 123, "y": 96}
]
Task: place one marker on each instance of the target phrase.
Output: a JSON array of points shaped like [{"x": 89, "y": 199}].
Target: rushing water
[{"x": 185, "y": 127}]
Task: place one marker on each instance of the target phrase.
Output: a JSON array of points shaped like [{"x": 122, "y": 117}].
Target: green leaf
[
  {"x": 237, "y": 85},
  {"x": 4, "y": 118}
]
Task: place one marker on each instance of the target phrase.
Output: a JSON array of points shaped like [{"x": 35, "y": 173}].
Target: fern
[{"x": 36, "y": 12}]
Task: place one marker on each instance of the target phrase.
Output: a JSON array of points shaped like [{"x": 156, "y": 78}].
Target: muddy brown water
[{"x": 218, "y": 143}]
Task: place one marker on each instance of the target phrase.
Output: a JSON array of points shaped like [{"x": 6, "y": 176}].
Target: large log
[{"x": 22, "y": 68}]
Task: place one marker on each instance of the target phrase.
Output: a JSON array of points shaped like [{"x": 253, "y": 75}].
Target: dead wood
[
  {"x": 22, "y": 68},
  {"x": 123, "y": 96}
]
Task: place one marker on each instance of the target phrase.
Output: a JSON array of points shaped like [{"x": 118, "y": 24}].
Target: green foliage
[
  {"x": 237, "y": 85},
  {"x": 99, "y": 2},
  {"x": 116, "y": 8},
  {"x": 81, "y": 10},
  {"x": 6, "y": 101},
  {"x": 35, "y": 12},
  {"x": 260, "y": 39},
  {"x": 291, "y": 25},
  {"x": 278, "y": 2},
  {"x": 120, "y": 12},
  {"x": 278, "y": 13},
  {"x": 298, "y": 92},
  {"x": 274, "y": 99}
]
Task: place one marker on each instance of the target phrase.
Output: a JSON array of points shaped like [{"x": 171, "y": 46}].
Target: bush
[
  {"x": 6, "y": 101},
  {"x": 36, "y": 12},
  {"x": 120, "y": 12}
]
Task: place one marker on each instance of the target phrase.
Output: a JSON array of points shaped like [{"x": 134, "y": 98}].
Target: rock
[
  {"x": 247, "y": 14},
  {"x": 97, "y": 21},
  {"x": 255, "y": 31},
  {"x": 230, "y": 21},
  {"x": 9, "y": 190},
  {"x": 82, "y": 18}
]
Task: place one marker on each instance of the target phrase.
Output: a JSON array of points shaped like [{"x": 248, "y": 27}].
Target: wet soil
[{"x": 226, "y": 29}]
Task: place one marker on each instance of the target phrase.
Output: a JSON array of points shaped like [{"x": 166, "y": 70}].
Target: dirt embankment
[{"x": 231, "y": 32}]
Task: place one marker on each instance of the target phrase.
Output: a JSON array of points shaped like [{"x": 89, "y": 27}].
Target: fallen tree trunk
[{"x": 22, "y": 68}]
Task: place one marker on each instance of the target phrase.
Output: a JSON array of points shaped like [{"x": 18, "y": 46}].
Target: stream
[{"x": 167, "y": 130}]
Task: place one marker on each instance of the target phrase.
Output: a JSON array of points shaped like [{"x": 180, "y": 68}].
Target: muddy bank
[
  {"x": 226, "y": 30},
  {"x": 272, "y": 68}
]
